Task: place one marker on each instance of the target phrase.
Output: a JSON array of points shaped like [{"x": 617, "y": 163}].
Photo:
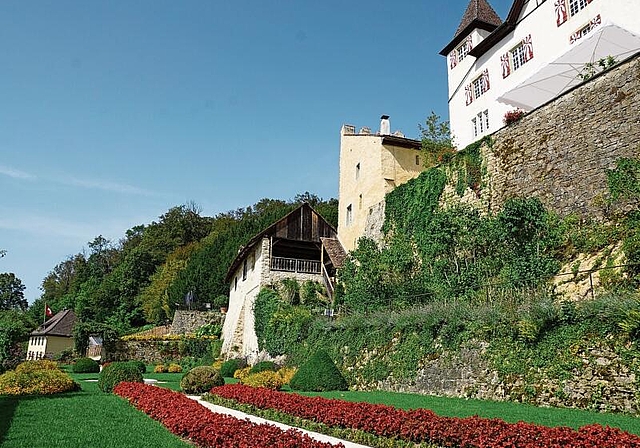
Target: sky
[{"x": 113, "y": 112}]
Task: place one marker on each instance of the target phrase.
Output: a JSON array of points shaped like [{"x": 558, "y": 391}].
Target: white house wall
[
  {"x": 242, "y": 295},
  {"x": 549, "y": 42}
]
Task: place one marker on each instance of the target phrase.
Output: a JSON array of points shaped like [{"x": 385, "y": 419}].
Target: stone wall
[
  {"x": 185, "y": 321},
  {"x": 560, "y": 152},
  {"x": 602, "y": 382}
]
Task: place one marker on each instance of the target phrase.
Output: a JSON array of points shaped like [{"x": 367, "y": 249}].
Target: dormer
[{"x": 478, "y": 21}]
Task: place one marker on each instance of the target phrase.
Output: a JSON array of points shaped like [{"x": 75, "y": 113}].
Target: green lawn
[
  {"x": 89, "y": 418},
  {"x": 510, "y": 412}
]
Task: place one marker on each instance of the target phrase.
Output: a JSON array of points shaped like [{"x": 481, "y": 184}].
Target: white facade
[
  {"x": 535, "y": 35},
  {"x": 245, "y": 286},
  {"x": 254, "y": 273}
]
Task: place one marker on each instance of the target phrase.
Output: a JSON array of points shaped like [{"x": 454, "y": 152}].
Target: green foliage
[
  {"x": 277, "y": 323},
  {"x": 12, "y": 293},
  {"x": 313, "y": 294},
  {"x": 437, "y": 146},
  {"x": 590, "y": 69},
  {"x": 36, "y": 381},
  {"x": 200, "y": 380},
  {"x": 14, "y": 329},
  {"x": 116, "y": 372},
  {"x": 624, "y": 180},
  {"x": 210, "y": 329},
  {"x": 85, "y": 365},
  {"x": 141, "y": 366},
  {"x": 230, "y": 366},
  {"x": 319, "y": 373},
  {"x": 263, "y": 366},
  {"x": 409, "y": 206}
]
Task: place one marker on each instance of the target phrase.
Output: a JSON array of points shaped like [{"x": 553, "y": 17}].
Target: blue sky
[{"x": 113, "y": 112}]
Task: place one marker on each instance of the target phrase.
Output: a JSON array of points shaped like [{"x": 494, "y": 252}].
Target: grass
[
  {"x": 88, "y": 418},
  {"x": 510, "y": 412}
]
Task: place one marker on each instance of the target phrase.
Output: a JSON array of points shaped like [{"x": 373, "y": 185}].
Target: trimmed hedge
[
  {"x": 318, "y": 374},
  {"x": 264, "y": 366},
  {"x": 230, "y": 366},
  {"x": 116, "y": 372},
  {"x": 200, "y": 380},
  {"x": 85, "y": 365}
]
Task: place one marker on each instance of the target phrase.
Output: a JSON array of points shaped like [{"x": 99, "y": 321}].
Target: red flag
[{"x": 47, "y": 311}]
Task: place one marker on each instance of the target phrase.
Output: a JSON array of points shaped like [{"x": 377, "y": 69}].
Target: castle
[{"x": 542, "y": 49}]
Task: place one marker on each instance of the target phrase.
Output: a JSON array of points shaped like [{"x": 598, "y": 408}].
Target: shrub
[
  {"x": 175, "y": 368},
  {"x": 266, "y": 378},
  {"x": 36, "y": 379},
  {"x": 141, "y": 366},
  {"x": 318, "y": 374},
  {"x": 32, "y": 366},
  {"x": 286, "y": 373},
  {"x": 160, "y": 368},
  {"x": 85, "y": 365},
  {"x": 200, "y": 380},
  {"x": 263, "y": 366},
  {"x": 241, "y": 374},
  {"x": 229, "y": 367},
  {"x": 116, "y": 372}
]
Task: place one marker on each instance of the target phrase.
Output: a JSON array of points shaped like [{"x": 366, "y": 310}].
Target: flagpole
[{"x": 44, "y": 316}]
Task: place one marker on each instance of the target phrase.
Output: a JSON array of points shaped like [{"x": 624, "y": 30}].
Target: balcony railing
[{"x": 295, "y": 265}]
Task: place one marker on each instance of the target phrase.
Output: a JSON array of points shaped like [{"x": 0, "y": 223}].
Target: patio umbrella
[{"x": 563, "y": 73}]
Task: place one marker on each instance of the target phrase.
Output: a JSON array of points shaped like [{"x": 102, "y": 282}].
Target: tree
[
  {"x": 437, "y": 143},
  {"x": 12, "y": 293}
]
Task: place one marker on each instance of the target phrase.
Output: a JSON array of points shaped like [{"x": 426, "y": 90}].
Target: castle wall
[{"x": 561, "y": 151}]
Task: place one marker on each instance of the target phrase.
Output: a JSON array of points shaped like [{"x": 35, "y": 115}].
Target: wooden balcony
[{"x": 295, "y": 265}]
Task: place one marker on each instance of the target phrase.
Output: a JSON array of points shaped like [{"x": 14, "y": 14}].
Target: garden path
[{"x": 253, "y": 418}]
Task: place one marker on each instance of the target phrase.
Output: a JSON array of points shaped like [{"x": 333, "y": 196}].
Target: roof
[
  {"x": 274, "y": 229},
  {"x": 335, "y": 251},
  {"x": 479, "y": 14},
  {"x": 499, "y": 33},
  {"x": 60, "y": 324}
]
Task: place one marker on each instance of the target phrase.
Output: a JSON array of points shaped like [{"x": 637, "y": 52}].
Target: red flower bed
[
  {"x": 189, "y": 419},
  {"x": 422, "y": 425}
]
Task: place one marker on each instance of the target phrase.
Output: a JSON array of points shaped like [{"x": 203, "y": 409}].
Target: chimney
[{"x": 385, "y": 127}]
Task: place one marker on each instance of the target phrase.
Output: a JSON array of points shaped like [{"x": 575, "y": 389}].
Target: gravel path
[{"x": 253, "y": 418}]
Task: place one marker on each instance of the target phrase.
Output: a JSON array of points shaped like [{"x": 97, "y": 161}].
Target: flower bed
[
  {"x": 422, "y": 425},
  {"x": 189, "y": 419}
]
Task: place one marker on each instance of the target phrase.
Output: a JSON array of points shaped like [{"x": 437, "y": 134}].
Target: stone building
[
  {"x": 371, "y": 165},
  {"x": 301, "y": 246},
  {"x": 542, "y": 49}
]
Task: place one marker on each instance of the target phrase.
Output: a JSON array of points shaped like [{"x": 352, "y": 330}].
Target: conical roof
[
  {"x": 479, "y": 10},
  {"x": 479, "y": 14}
]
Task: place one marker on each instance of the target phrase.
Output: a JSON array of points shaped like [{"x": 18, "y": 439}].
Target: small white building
[
  {"x": 542, "y": 49},
  {"x": 52, "y": 337},
  {"x": 301, "y": 246}
]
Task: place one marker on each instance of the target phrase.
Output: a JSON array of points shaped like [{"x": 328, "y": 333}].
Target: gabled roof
[
  {"x": 59, "y": 325},
  {"x": 277, "y": 228},
  {"x": 478, "y": 15}
]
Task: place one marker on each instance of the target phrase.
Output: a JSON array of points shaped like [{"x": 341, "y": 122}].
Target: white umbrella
[{"x": 564, "y": 73}]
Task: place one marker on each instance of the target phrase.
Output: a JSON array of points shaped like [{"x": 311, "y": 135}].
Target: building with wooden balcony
[{"x": 301, "y": 246}]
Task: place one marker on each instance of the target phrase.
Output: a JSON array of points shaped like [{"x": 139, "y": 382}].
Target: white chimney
[{"x": 385, "y": 127}]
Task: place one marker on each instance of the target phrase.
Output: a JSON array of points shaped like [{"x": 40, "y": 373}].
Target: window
[
  {"x": 463, "y": 50},
  {"x": 517, "y": 56},
  {"x": 580, "y": 33},
  {"x": 480, "y": 123},
  {"x": 358, "y": 171},
  {"x": 576, "y": 6},
  {"x": 360, "y": 202},
  {"x": 417, "y": 160},
  {"x": 244, "y": 270},
  {"x": 235, "y": 283},
  {"x": 349, "y": 218},
  {"x": 479, "y": 87}
]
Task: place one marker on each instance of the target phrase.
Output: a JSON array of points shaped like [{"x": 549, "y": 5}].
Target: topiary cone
[{"x": 318, "y": 374}]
